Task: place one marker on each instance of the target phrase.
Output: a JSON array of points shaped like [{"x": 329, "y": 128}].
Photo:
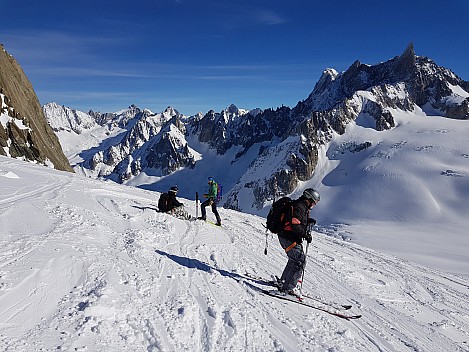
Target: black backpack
[
  {"x": 163, "y": 202},
  {"x": 278, "y": 214}
]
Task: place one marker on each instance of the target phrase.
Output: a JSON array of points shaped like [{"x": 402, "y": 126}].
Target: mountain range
[{"x": 256, "y": 154}]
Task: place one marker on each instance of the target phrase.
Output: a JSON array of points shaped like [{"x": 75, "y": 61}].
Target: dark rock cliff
[{"x": 24, "y": 132}]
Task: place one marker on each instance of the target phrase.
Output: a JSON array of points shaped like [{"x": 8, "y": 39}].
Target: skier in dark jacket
[
  {"x": 172, "y": 201},
  {"x": 211, "y": 201},
  {"x": 169, "y": 204},
  {"x": 291, "y": 238}
]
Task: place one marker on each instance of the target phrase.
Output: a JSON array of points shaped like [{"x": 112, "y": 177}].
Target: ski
[
  {"x": 297, "y": 300},
  {"x": 212, "y": 223},
  {"x": 208, "y": 222},
  {"x": 273, "y": 283},
  {"x": 333, "y": 305},
  {"x": 326, "y": 309}
]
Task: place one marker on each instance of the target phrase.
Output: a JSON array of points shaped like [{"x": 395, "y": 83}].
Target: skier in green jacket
[{"x": 211, "y": 200}]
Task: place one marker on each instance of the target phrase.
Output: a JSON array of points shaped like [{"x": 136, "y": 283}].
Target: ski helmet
[
  {"x": 174, "y": 189},
  {"x": 312, "y": 195}
]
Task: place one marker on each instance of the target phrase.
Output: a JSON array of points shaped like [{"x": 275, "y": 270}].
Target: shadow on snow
[{"x": 199, "y": 265}]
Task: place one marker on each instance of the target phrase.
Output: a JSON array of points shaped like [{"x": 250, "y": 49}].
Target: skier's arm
[{"x": 299, "y": 225}]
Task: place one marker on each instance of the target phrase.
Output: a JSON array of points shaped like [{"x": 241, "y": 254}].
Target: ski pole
[
  {"x": 304, "y": 265},
  {"x": 266, "y": 228},
  {"x": 196, "y": 205}
]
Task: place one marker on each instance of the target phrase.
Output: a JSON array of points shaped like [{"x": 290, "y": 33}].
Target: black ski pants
[{"x": 214, "y": 209}]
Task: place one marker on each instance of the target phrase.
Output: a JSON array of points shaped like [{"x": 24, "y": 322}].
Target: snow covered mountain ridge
[{"x": 260, "y": 153}]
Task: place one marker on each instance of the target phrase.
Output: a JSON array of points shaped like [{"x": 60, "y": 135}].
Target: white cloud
[{"x": 270, "y": 18}]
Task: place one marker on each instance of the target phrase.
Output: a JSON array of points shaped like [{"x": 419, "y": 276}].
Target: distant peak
[
  {"x": 52, "y": 104},
  {"x": 171, "y": 111},
  {"x": 409, "y": 51},
  {"x": 356, "y": 64},
  {"x": 406, "y": 60},
  {"x": 232, "y": 109},
  {"x": 332, "y": 73},
  {"x": 328, "y": 75}
]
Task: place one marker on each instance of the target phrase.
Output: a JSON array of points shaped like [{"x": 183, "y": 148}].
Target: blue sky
[{"x": 197, "y": 55}]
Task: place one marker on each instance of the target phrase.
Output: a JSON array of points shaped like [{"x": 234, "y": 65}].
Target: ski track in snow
[{"x": 93, "y": 267}]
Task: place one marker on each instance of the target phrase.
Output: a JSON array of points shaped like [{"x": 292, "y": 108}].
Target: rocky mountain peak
[
  {"x": 170, "y": 111},
  {"x": 409, "y": 54},
  {"x": 405, "y": 66},
  {"x": 232, "y": 109},
  {"x": 328, "y": 75}
]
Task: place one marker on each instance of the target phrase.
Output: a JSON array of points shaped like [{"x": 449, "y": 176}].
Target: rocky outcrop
[
  {"x": 24, "y": 132},
  {"x": 155, "y": 141},
  {"x": 170, "y": 152}
]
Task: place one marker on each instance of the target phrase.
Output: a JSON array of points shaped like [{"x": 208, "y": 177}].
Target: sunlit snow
[{"x": 88, "y": 265}]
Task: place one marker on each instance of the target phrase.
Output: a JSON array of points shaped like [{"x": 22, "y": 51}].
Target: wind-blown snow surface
[{"x": 88, "y": 265}]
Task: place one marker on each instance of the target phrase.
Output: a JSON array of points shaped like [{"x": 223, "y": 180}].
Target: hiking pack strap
[{"x": 290, "y": 247}]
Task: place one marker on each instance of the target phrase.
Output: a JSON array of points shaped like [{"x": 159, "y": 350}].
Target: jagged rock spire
[
  {"x": 407, "y": 59},
  {"x": 409, "y": 51}
]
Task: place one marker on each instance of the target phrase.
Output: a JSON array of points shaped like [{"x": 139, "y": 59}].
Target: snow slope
[{"x": 88, "y": 265}]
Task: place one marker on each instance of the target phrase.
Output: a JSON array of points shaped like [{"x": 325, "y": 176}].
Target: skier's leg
[
  {"x": 287, "y": 271},
  {"x": 294, "y": 267},
  {"x": 202, "y": 209},
  {"x": 215, "y": 211}
]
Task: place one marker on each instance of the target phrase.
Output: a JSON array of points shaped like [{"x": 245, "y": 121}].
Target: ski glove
[
  {"x": 312, "y": 221},
  {"x": 308, "y": 237}
]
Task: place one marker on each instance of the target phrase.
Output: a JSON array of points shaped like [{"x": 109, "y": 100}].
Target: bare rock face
[{"x": 24, "y": 132}]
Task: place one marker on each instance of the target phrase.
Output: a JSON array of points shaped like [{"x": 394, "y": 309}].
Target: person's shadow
[{"x": 197, "y": 264}]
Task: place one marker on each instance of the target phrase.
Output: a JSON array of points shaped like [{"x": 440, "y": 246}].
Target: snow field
[{"x": 89, "y": 265}]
